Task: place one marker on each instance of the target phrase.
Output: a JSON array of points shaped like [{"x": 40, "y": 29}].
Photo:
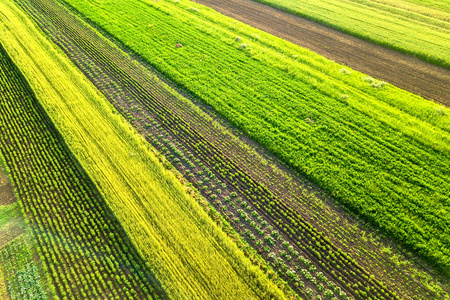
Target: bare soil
[
  {"x": 404, "y": 71},
  {"x": 6, "y": 189}
]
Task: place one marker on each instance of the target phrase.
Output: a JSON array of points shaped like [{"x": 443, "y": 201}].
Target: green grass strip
[{"x": 9, "y": 212}]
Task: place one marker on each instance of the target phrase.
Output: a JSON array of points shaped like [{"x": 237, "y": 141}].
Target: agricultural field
[
  {"x": 161, "y": 150},
  {"x": 50, "y": 183},
  {"x": 359, "y": 138}
]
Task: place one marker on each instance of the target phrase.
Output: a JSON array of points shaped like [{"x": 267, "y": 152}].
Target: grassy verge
[
  {"x": 371, "y": 145},
  {"x": 181, "y": 244},
  {"x": 3, "y": 290},
  {"x": 419, "y": 29}
]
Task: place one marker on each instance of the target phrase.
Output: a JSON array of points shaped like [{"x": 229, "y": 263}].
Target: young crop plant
[
  {"x": 64, "y": 245},
  {"x": 21, "y": 270}
]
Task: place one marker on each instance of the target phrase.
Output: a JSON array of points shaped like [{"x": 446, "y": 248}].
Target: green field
[
  {"x": 159, "y": 150},
  {"x": 419, "y": 28},
  {"x": 371, "y": 145},
  {"x": 180, "y": 244}
]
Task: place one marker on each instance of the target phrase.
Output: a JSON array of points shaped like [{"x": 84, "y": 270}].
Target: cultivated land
[
  {"x": 107, "y": 67},
  {"x": 176, "y": 239},
  {"x": 66, "y": 212},
  {"x": 317, "y": 247},
  {"x": 380, "y": 150},
  {"x": 402, "y": 70},
  {"x": 146, "y": 103}
]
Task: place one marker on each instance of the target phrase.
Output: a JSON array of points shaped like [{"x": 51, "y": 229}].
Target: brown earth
[
  {"x": 404, "y": 71},
  {"x": 6, "y": 189},
  {"x": 15, "y": 227}
]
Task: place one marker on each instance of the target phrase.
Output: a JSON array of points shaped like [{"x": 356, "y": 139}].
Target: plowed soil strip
[{"x": 407, "y": 72}]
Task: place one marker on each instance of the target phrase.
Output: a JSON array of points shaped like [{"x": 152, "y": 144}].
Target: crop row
[
  {"x": 182, "y": 246},
  {"x": 180, "y": 107},
  {"x": 85, "y": 250},
  {"x": 248, "y": 222},
  {"x": 112, "y": 75}
]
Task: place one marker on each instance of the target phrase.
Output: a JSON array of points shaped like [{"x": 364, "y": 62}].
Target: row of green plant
[
  {"x": 251, "y": 225},
  {"x": 304, "y": 201},
  {"x": 212, "y": 168},
  {"x": 179, "y": 243},
  {"x": 372, "y": 150},
  {"x": 117, "y": 92},
  {"x": 113, "y": 86},
  {"x": 21, "y": 274}
]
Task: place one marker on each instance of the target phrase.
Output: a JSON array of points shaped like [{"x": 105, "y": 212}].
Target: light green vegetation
[
  {"x": 184, "y": 248},
  {"x": 3, "y": 288},
  {"x": 9, "y": 213},
  {"x": 420, "y": 28},
  {"x": 12, "y": 223},
  {"x": 381, "y": 151},
  {"x": 21, "y": 271}
]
